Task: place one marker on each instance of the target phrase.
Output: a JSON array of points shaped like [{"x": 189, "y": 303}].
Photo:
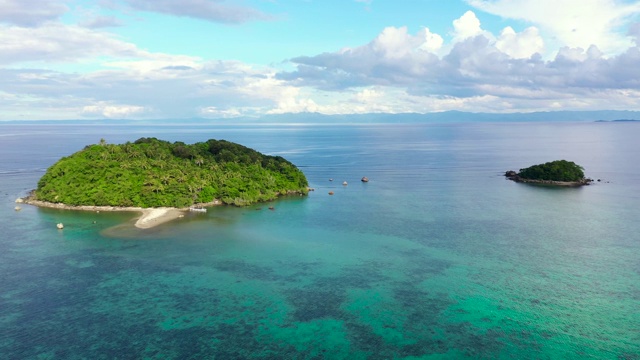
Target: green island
[
  {"x": 559, "y": 172},
  {"x": 152, "y": 173}
]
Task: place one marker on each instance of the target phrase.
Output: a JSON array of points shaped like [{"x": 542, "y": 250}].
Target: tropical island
[
  {"x": 558, "y": 173},
  {"x": 167, "y": 177}
]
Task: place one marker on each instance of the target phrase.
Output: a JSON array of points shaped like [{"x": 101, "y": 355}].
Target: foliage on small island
[
  {"x": 559, "y": 170},
  {"x": 156, "y": 173}
]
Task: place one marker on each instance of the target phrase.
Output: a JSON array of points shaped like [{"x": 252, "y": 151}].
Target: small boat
[{"x": 202, "y": 210}]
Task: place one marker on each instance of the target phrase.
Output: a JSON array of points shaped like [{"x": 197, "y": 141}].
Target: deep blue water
[{"x": 438, "y": 256}]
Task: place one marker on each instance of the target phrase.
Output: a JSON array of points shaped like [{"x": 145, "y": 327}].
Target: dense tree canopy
[
  {"x": 559, "y": 170},
  {"x": 154, "y": 173}
]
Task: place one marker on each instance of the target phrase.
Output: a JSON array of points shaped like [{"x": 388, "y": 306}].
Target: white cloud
[
  {"x": 430, "y": 41},
  {"x": 394, "y": 56},
  {"x": 520, "y": 45},
  {"x": 212, "y": 89},
  {"x": 211, "y": 10},
  {"x": 396, "y": 43},
  {"x": 31, "y": 12},
  {"x": 58, "y": 43},
  {"x": 480, "y": 72},
  {"x": 574, "y": 23},
  {"x": 54, "y": 42},
  {"x": 97, "y": 22},
  {"x": 468, "y": 25},
  {"x": 397, "y": 71},
  {"x": 112, "y": 111},
  {"x": 214, "y": 112}
]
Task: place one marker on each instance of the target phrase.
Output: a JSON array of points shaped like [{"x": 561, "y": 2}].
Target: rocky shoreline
[{"x": 512, "y": 175}]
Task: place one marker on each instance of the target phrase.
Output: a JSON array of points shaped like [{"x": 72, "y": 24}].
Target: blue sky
[{"x": 152, "y": 59}]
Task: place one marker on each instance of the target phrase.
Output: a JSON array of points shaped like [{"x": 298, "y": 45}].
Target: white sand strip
[{"x": 156, "y": 216}]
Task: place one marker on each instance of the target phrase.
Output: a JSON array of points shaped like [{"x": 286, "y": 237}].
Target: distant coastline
[
  {"x": 619, "y": 120},
  {"x": 452, "y": 116}
]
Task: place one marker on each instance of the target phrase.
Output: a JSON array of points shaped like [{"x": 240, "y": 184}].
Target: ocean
[{"x": 438, "y": 256}]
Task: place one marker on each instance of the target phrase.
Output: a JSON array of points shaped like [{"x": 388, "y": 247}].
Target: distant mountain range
[{"x": 379, "y": 118}]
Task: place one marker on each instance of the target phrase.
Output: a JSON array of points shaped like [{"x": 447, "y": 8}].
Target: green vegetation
[
  {"x": 559, "y": 170},
  {"x": 155, "y": 173}
]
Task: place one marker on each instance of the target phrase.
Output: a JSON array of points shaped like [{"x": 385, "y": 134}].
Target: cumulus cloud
[
  {"x": 210, "y": 10},
  {"x": 479, "y": 71},
  {"x": 468, "y": 25},
  {"x": 30, "y": 13},
  {"x": 574, "y": 23},
  {"x": 520, "y": 45},
  {"x": 393, "y": 57}
]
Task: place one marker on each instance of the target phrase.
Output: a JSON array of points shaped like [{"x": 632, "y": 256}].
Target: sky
[{"x": 185, "y": 59}]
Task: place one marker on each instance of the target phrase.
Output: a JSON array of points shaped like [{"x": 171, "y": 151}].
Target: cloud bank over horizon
[{"x": 139, "y": 59}]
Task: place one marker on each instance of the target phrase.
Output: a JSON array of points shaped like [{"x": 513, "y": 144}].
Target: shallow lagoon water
[{"x": 438, "y": 256}]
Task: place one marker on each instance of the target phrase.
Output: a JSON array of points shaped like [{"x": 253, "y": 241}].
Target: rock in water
[{"x": 365, "y": 179}]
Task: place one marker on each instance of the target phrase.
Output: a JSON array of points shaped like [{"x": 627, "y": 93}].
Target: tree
[
  {"x": 152, "y": 172},
  {"x": 559, "y": 170}
]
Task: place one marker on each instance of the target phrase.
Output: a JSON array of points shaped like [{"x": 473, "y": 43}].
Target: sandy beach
[
  {"x": 150, "y": 216},
  {"x": 157, "y": 216}
]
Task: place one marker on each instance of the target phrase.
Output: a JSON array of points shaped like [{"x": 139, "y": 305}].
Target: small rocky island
[
  {"x": 156, "y": 174},
  {"x": 557, "y": 173}
]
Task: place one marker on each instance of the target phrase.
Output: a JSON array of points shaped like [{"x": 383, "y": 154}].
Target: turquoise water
[{"x": 438, "y": 256}]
